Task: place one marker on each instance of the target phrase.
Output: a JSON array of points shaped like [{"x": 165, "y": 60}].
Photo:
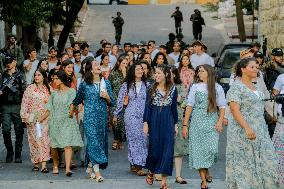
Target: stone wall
[{"x": 271, "y": 22}]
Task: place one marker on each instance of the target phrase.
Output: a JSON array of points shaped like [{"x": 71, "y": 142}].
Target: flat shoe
[
  {"x": 69, "y": 174},
  {"x": 35, "y": 168},
  {"x": 99, "y": 179},
  {"x": 180, "y": 181},
  {"x": 55, "y": 171},
  {"x": 45, "y": 170}
]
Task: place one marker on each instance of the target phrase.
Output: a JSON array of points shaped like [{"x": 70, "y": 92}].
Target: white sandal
[
  {"x": 100, "y": 179},
  {"x": 89, "y": 172}
]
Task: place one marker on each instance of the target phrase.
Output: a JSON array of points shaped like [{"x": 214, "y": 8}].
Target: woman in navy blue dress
[{"x": 160, "y": 123}]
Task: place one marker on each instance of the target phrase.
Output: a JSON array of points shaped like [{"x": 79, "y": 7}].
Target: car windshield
[{"x": 230, "y": 58}]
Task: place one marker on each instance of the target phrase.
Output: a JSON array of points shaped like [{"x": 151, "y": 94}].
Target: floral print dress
[
  {"x": 203, "y": 137},
  {"x": 116, "y": 79},
  {"x": 63, "y": 130},
  {"x": 133, "y": 119},
  {"x": 32, "y": 107},
  {"x": 250, "y": 164},
  {"x": 95, "y": 121}
]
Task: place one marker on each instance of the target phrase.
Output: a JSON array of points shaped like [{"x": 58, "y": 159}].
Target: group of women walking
[{"x": 165, "y": 116}]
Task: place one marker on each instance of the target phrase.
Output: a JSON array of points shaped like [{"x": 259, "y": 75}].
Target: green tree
[{"x": 32, "y": 14}]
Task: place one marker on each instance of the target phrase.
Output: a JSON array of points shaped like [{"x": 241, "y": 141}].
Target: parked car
[
  {"x": 108, "y": 2},
  {"x": 224, "y": 47},
  {"x": 225, "y": 65}
]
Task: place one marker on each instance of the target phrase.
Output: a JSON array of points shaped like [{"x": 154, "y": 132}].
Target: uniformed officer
[
  {"x": 273, "y": 68},
  {"x": 118, "y": 23},
  {"x": 14, "y": 50},
  {"x": 10, "y": 99},
  {"x": 197, "y": 22},
  {"x": 177, "y": 15}
]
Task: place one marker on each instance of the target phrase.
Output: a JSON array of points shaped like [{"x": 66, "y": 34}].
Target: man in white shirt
[
  {"x": 176, "y": 53},
  {"x": 200, "y": 57},
  {"x": 154, "y": 51},
  {"x": 106, "y": 49},
  {"x": 77, "y": 63},
  {"x": 30, "y": 65},
  {"x": 85, "y": 51}
]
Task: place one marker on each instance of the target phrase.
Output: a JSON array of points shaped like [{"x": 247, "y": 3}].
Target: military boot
[
  {"x": 18, "y": 148},
  {"x": 9, "y": 147}
]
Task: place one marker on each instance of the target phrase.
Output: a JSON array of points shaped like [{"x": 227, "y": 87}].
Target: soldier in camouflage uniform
[
  {"x": 118, "y": 23},
  {"x": 271, "y": 71},
  {"x": 14, "y": 50}
]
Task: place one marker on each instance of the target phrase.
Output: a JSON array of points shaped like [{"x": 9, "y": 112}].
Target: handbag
[{"x": 125, "y": 100}]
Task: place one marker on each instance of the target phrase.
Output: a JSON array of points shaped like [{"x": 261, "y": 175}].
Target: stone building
[{"x": 271, "y": 22}]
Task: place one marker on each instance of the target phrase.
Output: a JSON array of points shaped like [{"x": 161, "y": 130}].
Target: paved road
[
  {"x": 146, "y": 23},
  {"x": 141, "y": 23}
]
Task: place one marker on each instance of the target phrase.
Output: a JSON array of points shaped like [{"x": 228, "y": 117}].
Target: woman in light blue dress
[
  {"x": 251, "y": 161},
  {"x": 96, "y": 100},
  {"x": 205, "y": 98}
]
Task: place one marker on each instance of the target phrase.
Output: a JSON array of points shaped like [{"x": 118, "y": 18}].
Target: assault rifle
[
  {"x": 279, "y": 99},
  {"x": 10, "y": 83}
]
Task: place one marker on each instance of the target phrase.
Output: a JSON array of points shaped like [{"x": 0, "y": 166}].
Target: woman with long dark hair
[
  {"x": 97, "y": 96},
  {"x": 116, "y": 78},
  {"x": 181, "y": 144},
  {"x": 68, "y": 67},
  {"x": 186, "y": 71},
  {"x": 63, "y": 131},
  {"x": 159, "y": 59},
  {"x": 205, "y": 98},
  {"x": 43, "y": 64},
  {"x": 105, "y": 66},
  {"x": 160, "y": 123},
  {"x": 251, "y": 160},
  {"x": 33, "y": 106},
  {"x": 132, "y": 94}
]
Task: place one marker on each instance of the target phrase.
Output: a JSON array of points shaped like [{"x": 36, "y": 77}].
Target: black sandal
[
  {"x": 69, "y": 174},
  {"x": 35, "y": 168},
  {"x": 209, "y": 179},
  {"x": 181, "y": 181},
  {"x": 45, "y": 170}
]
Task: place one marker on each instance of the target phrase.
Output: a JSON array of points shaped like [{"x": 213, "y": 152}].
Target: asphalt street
[{"x": 141, "y": 23}]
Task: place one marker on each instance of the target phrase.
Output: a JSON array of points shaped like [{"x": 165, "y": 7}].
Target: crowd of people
[{"x": 163, "y": 103}]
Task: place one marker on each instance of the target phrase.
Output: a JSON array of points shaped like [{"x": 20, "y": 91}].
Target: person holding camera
[{"x": 13, "y": 85}]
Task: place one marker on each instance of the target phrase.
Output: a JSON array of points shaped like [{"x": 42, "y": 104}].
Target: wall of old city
[{"x": 271, "y": 22}]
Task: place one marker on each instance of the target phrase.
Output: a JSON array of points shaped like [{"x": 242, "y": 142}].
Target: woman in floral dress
[
  {"x": 96, "y": 102},
  {"x": 63, "y": 131},
  {"x": 250, "y": 156},
  {"x": 278, "y": 136},
  {"x": 135, "y": 87},
  {"x": 205, "y": 98},
  {"x": 116, "y": 79},
  {"x": 33, "y": 106},
  {"x": 181, "y": 144}
]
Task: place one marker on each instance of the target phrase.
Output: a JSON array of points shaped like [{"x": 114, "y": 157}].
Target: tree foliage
[
  {"x": 34, "y": 13},
  {"x": 27, "y": 12}
]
